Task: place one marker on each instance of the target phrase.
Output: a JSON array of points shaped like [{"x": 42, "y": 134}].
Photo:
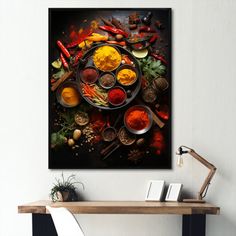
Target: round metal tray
[{"x": 87, "y": 61}]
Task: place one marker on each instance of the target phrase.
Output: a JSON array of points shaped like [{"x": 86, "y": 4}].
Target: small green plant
[{"x": 65, "y": 189}]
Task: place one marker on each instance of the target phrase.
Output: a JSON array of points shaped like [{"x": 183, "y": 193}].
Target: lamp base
[{"x": 193, "y": 200}]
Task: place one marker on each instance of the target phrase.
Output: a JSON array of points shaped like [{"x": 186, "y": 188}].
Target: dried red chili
[
  {"x": 127, "y": 60},
  {"x": 63, "y": 49},
  {"x": 144, "y": 82},
  {"x": 159, "y": 57},
  {"x": 64, "y": 62},
  {"x": 84, "y": 34},
  {"x": 53, "y": 81},
  {"x": 163, "y": 112},
  {"x": 146, "y": 29},
  {"x": 72, "y": 45},
  {"x": 153, "y": 38},
  {"x": 78, "y": 56},
  {"x": 122, "y": 43},
  {"x": 113, "y": 30}
]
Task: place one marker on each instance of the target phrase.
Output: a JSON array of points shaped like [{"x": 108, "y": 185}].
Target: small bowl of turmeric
[
  {"x": 126, "y": 75},
  {"x": 68, "y": 95}
]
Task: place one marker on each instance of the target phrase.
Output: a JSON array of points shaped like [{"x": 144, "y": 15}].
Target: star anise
[{"x": 135, "y": 155}]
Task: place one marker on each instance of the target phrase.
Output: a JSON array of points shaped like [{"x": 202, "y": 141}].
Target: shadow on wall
[
  {"x": 222, "y": 223},
  {"x": 223, "y": 187}
]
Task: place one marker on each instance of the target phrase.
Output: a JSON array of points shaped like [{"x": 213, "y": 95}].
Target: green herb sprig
[{"x": 151, "y": 68}]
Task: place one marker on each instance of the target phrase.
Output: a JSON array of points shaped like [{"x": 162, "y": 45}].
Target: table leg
[
  {"x": 194, "y": 225},
  {"x": 43, "y": 225}
]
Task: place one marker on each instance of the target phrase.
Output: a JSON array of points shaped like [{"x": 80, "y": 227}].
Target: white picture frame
[
  {"x": 155, "y": 190},
  {"x": 173, "y": 192}
]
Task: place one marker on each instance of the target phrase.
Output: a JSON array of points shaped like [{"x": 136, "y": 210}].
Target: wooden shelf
[{"x": 123, "y": 207}]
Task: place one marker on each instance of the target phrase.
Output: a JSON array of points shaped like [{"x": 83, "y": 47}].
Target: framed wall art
[{"x": 109, "y": 88}]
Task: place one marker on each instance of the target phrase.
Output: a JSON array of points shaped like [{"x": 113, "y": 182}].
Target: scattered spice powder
[
  {"x": 138, "y": 119},
  {"x": 126, "y": 76},
  {"x": 106, "y": 58},
  {"x": 70, "y": 96},
  {"x": 116, "y": 96},
  {"x": 158, "y": 142}
]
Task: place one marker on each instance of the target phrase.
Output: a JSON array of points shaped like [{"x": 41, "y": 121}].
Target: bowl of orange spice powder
[
  {"x": 68, "y": 94},
  {"x": 138, "y": 119}
]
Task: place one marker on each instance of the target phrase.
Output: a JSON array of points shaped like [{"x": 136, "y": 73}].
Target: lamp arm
[
  {"x": 210, "y": 174},
  {"x": 206, "y": 183},
  {"x": 201, "y": 159}
]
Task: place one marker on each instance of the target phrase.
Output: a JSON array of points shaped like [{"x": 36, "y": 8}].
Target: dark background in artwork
[{"x": 60, "y": 21}]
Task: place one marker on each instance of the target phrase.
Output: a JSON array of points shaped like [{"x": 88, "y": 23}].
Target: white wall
[{"x": 204, "y": 115}]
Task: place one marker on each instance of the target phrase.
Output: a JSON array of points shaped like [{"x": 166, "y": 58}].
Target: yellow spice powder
[
  {"x": 70, "y": 96},
  {"x": 107, "y": 58},
  {"x": 126, "y": 76}
]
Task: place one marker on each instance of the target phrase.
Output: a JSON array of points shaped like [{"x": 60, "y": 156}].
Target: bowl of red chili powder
[
  {"x": 138, "y": 119},
  {"x": 89, "y": 75},
  {"x": 117, "y": 96}
]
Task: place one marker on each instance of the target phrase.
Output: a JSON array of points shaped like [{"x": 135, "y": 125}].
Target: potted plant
[{"x": 64, "y": 190}]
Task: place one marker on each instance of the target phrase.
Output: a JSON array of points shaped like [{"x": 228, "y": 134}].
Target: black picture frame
[{"x": 59, "y": 20}]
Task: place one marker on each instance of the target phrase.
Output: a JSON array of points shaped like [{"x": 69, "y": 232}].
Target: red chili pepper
[
  {"x": 138, "y": 46},
  {"x": 122, "y": 43},
  {"x": 158, "y": 57},
  {"x": 146, "y": 29},
  {"x": 72, "y": 45},
  {"x": 144, "y": 83},
  {"x": 78, "y": 56},
  {"x": 53, "y": 81},
  {"x": 64, "y": 62},
  {"x": 114, "y": 30},
  {"x": 127, "y": 60},
  {"x": 163, "y": 112},
  {"x": 153, "y": 38},
  {"x": 85, "y": 33},
  {"x": 63, "y": 49}
]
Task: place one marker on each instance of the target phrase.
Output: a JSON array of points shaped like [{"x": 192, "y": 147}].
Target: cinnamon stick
[
  {"x": 61, "y": 80},
  {"x": 154, "y": 116},
  {"x": 118, "y": 24},
  {"x": 106, "y": 22},
  {"x": 108, "y": 148}
]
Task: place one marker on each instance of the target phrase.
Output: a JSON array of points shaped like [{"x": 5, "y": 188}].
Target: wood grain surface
[{"x": 123, "y": 207}]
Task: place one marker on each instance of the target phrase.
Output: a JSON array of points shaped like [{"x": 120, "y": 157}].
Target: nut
[
  {"x": 71, "y": 142},
  {"x": 119, "y": 37},
  {"x": 76, "y": 134}
]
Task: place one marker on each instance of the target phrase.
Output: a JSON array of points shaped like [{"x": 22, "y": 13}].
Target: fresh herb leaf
[
  {"x": 151, "y": 68},
  {"x": 58, "y": 74},
  {"x": 57, "y": 139}
]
